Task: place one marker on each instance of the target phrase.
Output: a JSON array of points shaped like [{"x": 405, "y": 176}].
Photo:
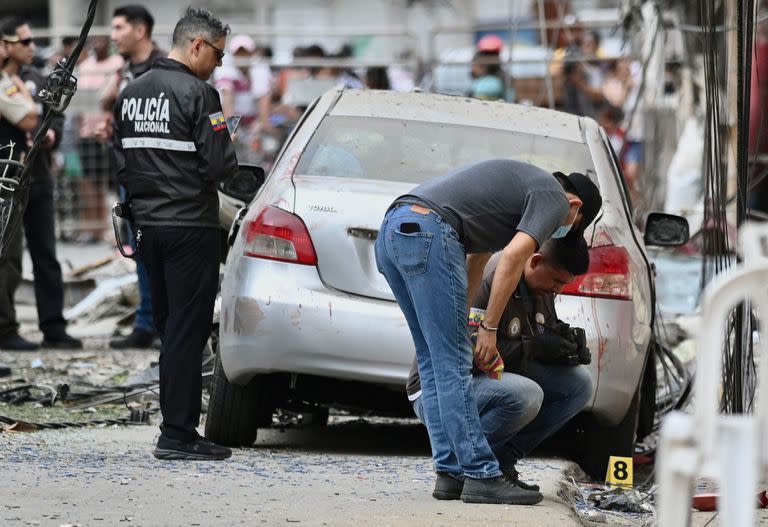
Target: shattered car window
[{"x": 414, "y": 151}]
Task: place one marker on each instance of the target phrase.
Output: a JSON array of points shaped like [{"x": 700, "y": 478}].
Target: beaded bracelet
[{"x": 487, "y": 328}]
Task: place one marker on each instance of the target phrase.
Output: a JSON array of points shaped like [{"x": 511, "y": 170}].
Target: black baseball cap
[{"x": 589, "y": 195}]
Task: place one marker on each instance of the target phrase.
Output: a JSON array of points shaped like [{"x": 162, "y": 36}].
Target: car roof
[{"x": 463, "y": 111}]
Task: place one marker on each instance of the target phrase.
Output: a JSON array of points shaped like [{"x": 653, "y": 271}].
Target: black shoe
[
  {"x": 16, "y": 342},
  {"x": 447, "y": 487},
  {"x": 198, "y": 449},
  {"x": 514, "y": 476},
  {"x": 62, "y": 341},
  {"x": 137, "y": 339},
  {"x": 497, "y": 490}
]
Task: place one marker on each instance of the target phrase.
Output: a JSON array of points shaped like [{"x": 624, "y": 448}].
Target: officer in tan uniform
[
  {"x": 39, "y": 212},
  {"x": 18, "y": 117},
  {"x": 18, "y": 112}
]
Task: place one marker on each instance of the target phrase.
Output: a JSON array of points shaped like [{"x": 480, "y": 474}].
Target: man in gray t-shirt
[
  {"x": 487, "y": 203},
  {"x": 432, "y": 248}
]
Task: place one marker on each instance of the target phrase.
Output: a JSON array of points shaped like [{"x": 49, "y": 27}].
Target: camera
[{"x": 579, "y": 337}]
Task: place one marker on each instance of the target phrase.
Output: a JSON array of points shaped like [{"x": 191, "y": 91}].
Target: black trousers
[
  {"x": 183, "y": 268},
  {"x": 40, "y": 232}
]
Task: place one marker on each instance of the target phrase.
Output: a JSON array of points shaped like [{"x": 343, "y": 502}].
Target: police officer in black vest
[{"x": 173, "y": 146}]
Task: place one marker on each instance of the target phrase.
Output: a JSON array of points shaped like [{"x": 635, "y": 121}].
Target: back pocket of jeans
[{"x": 411, "y": 251}]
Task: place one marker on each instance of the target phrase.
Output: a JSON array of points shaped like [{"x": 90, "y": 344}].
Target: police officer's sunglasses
[
  {"x": 219, "y": 52},
  {"x": 16, "y": 40}
]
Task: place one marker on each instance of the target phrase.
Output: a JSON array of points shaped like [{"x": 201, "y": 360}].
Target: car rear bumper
[{"x": 280, "y": 317}]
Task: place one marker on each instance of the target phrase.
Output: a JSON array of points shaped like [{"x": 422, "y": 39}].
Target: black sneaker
[
  {"x": 447, "y": 487},
  {"x": 16, "y": 342},
  {"x": 200, "y": 449},
  {"x": 497, "y": 490},
  {"x": 514, "y": 476},
  {"x": 137, "y": 339},
  {"x": 62, "y": 341}
]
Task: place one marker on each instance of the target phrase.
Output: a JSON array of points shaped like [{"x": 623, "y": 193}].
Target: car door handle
[{"x": 360, "y": 232}]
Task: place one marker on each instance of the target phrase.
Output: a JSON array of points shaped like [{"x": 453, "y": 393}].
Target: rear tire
[
  {"x": 596, "y": 442},
  {"x": 646, "y": 418},
  {"x": 236, "y": 412},
  {"x": 590, "y": 443}
]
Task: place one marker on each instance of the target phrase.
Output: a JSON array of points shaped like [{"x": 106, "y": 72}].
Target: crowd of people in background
[
  {"x": 587, "y": 82},
  {"x": 270, "y": 99},
  {"x": 606, "y": 90}
]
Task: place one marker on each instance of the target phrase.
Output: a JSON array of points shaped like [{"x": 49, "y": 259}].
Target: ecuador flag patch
[
  {"x": 10, "y": 91},
  {"x": 217, "y": 121}
]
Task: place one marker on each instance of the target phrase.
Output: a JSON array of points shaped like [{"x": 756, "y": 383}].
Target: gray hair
[{"x": 198, "y": 23}]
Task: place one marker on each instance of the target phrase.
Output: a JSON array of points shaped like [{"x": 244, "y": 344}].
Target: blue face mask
[{"x": 563, "y": 230}]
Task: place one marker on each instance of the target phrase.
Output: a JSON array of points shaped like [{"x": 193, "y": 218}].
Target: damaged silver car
[{"x": 308, "y": 323}]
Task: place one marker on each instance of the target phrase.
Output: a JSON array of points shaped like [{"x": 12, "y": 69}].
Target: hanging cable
[{"x": 738, "y": 379}]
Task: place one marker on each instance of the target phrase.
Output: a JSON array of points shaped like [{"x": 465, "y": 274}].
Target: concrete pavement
[{"x": 351, "y": 473}]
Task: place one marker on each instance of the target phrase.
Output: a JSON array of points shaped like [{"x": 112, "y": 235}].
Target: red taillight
[
  {"x": 279, "y": 235},
  {"x": 608, "y": 275}
]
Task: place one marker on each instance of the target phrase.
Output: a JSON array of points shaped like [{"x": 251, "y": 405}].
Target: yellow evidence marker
[{"x": 619, "y": 471}]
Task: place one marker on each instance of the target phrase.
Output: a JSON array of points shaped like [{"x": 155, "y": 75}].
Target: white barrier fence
[{"x": 730, "y": 449}]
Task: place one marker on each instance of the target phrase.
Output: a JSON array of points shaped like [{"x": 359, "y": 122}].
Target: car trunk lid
[{"x": 343, "y": 216}]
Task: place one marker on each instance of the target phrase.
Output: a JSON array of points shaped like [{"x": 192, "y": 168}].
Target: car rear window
[{"x": 414, "y": 151}]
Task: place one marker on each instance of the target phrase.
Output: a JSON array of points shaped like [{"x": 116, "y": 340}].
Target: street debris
[
  {"x": 136, "y": 416},
  {"x": 105, "y": 300},
  {"x": 596, "y": 504},
  {"x": 93, "y": 266},
  {"x": 26, "y": 393},
  {"x": 97, "y": 385},
  {"x": 42, "y": 394},
  {"x": 621, "y": 500}
]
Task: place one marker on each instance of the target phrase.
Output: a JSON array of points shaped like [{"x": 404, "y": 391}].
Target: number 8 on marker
[{"x": 619, "y": 471}]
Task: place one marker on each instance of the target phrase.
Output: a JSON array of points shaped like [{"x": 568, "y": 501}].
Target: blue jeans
[
  {"x": 505, "y": 406},
  {"x": 143, "y": 320},
  {"x": 518, "y": 413},
  {"x": 425, "y": 265},
  {"x": 567, "y": 390}
]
